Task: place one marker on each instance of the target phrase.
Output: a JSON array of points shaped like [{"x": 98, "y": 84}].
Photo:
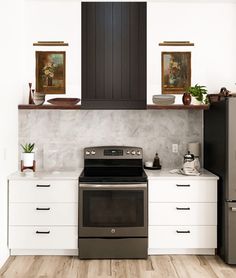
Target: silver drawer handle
[
  {"x": 233, "y": 209},
  {"x": 183, "y": 232},
  {"x": 182, "y": 208},
  {"x": 38, "y": 232},
  {"x": 42, "y": 208},
  {"x": 183, "y": 185},
  {"x": 43, "y": 185}
]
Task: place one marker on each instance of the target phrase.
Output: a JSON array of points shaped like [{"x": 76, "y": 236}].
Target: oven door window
[{"x": 113, "y": 208}]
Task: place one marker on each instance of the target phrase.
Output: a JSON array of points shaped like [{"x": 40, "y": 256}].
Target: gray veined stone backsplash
[{"x": 61, "y": 135}]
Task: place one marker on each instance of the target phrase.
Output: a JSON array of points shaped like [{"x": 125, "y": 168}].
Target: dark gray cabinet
[{"x": 113, "y": 55}]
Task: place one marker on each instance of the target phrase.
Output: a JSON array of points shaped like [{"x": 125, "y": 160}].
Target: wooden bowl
[{"x": 64, "y": 101}]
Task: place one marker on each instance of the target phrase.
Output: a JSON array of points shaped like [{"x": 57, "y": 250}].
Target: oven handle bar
[{"x": 135, "y": 185}]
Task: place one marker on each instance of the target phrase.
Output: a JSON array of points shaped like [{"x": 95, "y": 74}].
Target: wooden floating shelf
[
  {"x": 77, "y": 107},
  {"x": 48, "y": 107},
  {"x": 179, "y": 107}
]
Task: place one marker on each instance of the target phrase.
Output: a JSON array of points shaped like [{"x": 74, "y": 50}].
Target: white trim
[
  {"x": 190, "y": 251},
  {"x": 41, "y": 252},
  {"x": 4, "y": 256}
]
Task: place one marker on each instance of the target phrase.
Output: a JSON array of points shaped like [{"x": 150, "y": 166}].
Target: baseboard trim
[
  {"x": 41, "y": 252},
  {"x": 190, "y": 251},
  {"x": 4, "y": 256}
]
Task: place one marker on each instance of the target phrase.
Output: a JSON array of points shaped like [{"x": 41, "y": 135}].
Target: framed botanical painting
[
  {"x": 51, "y": 72},
  {"x": 176, "y": 72}
]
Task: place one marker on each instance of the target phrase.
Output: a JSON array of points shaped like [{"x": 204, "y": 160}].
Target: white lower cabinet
[
  {"x": 182, "y": 216},
  {"x": 174, "y": 237},
  {"x": 43, "y": 217},
  {"x": 43, "y": 237}
]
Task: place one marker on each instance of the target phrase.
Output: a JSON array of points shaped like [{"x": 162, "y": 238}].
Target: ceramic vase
[
  {"x": 28, "y": 159},
  {"x": 186, "y": 99}
]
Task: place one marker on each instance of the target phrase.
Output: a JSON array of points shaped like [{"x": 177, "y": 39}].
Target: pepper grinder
[
  {"x": 156, "y": 161},
  {"x": 30, "y": 94}
]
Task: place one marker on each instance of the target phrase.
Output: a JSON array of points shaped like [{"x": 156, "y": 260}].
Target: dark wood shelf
[
  {"x": 178, "y": 107},
  {"x": 77, "y": 107},
  {"x": 48, "y": 107}
]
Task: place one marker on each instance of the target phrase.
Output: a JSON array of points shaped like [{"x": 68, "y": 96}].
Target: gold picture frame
[
  {"x": 51, "y": 72},
  {"x": 176, "y": 72}
]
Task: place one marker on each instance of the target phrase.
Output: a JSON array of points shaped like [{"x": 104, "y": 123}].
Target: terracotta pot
[{"x": 186, "y": 98}]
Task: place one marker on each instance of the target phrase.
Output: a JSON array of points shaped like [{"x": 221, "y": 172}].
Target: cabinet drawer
[
  {"x": 43, "y": 214},
  {"x": 182, "y": 237},
  {"x": 183, "y": 191},
  {"x": 182, "y": 214},
  {"x": 43, "y": 237},
  {"x": 43, "y": 191}
]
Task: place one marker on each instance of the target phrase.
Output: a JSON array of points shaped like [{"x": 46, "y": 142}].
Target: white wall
[
  {"x": 10, "y": 94},
  {"x": 54, "y": 20},
  {"x": 209, "y": 25}
]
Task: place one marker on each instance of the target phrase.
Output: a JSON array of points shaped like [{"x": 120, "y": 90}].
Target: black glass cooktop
[{"x": 113, "y": 179}]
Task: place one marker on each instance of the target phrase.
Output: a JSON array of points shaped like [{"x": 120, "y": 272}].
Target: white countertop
[
  {"x": 60, "y": 175},
  {"x": 165, "y": 173},
  {"x": 55, "y": 175}
]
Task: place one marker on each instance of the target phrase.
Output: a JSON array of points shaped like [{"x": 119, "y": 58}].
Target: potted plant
[
  {"x": 28, "y": 154},
  {"x": 198, "y": 94}
]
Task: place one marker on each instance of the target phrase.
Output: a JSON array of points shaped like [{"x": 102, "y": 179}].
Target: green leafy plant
[
  {"x": 28, "y": 148},
  {"x": 198, "y": 92}
]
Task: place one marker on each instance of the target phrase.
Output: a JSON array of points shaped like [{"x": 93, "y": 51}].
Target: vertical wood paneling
[
  {"x": 91, "y": 51},
  {"x": 142, "y": 52},
  {"x": 100, "y": 50},
  {"x": 125, "y": 94},
  {"x": 116, "y": 47},
  {"x": 114, "y": 54},
  {"x": 108, "y": 51},
  {"x": 134, "y": 46},
  {"x": 84, "y": 50}
]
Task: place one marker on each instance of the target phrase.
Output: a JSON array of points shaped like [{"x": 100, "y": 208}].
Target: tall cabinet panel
[{"x": 114, "y": 55}]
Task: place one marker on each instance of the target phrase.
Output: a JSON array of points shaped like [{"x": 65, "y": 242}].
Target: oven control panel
[{"x": 111, "y": 152}]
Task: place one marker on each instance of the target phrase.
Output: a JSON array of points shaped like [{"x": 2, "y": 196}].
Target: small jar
[{"x": 186, "y": 98}]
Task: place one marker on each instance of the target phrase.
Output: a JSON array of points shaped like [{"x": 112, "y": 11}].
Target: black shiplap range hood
[{"x": 113, "y": 55}]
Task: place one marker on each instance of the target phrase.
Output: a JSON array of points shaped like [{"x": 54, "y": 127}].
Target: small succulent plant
[{"x": 28, "y": 147}]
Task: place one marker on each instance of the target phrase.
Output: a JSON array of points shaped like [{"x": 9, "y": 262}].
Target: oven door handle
[{"x": 100, "y": 186}]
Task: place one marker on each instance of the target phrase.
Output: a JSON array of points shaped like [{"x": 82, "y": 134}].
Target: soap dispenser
[{"x": 156, "y": 162}]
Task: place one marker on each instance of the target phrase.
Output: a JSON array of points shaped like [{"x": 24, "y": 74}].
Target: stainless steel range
[{"x": 113, "y": 204}]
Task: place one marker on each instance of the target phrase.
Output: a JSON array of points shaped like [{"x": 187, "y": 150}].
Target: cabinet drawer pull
[
  {"x": 182, "y": 208},
  {"x": 182, "y": 232},
  {"x": 38, "y": 232},
  {"x": 183, "y": 185},
  {"x": 43, "y": 185},
  {"x": 233, "y": 208},
  {"x": 42, "y": 208}
]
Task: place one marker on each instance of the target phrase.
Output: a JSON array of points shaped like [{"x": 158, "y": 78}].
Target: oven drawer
[
  {"x": 182, "y": 237},
  {"x": 182, "y": 214},
  {"x": 43, "y": 214},
  {"x": 43, "y": 191},
  {"x": 183, "y": 190},
  {"x": 43, "y": 237}
]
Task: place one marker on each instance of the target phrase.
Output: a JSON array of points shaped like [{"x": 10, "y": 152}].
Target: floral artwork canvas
[
  {"x": 176, "y": 72},
  {"x": 50, "y": 72}
]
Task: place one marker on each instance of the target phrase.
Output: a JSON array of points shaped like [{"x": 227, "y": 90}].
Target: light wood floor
[{"x": 156, "y": 266}]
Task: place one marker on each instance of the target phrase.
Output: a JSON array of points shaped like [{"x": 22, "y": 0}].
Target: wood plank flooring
[{"x": 180, "y": 266}]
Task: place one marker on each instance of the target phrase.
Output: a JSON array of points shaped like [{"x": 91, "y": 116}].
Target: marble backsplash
[{"x": 61, "y": 135}]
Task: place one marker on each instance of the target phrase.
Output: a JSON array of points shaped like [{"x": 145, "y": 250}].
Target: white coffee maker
[{"x": 195, "y": 149}]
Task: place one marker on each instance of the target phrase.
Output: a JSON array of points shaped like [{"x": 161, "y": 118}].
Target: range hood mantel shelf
[{"x": 77, "y": 107}]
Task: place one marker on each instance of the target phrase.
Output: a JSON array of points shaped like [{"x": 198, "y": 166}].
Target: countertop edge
[{"x": 74, "y": 175}]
